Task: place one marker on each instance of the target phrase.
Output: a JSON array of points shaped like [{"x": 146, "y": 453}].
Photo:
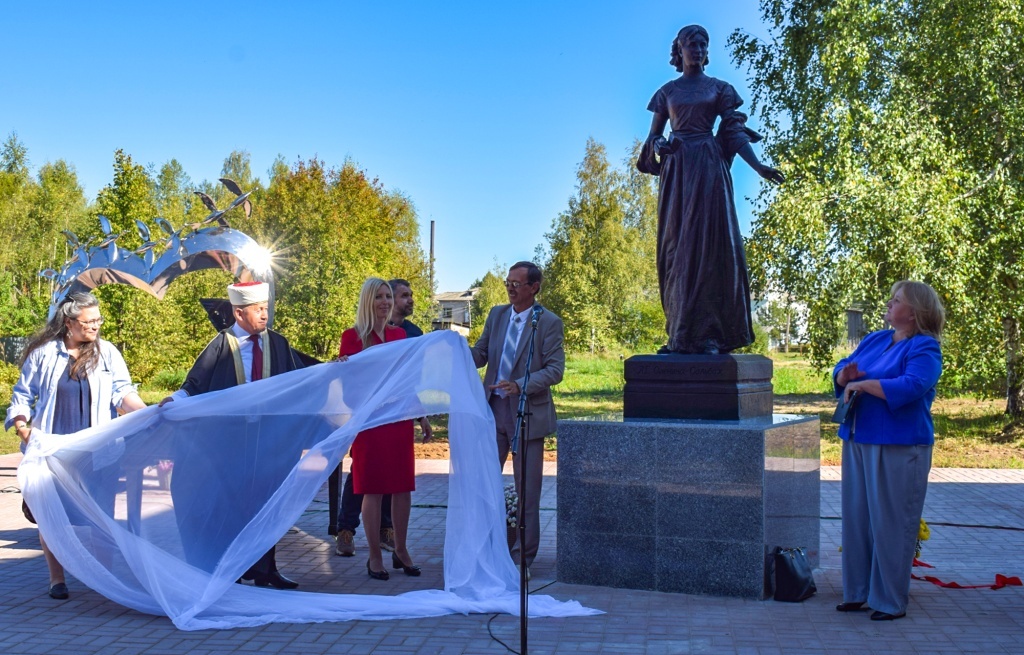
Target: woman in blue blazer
[{"x": 887, "y": 449}]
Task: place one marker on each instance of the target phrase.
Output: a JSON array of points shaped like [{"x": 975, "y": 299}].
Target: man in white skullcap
[{"x": 243, "y": 352}]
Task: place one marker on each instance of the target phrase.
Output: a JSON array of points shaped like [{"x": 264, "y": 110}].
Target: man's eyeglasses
[
  {"x": 96, "y": 322},
  {"x": 514, "y": 284}
]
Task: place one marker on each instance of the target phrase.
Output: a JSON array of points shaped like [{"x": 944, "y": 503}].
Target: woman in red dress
[{"x": 383, "y": 461}]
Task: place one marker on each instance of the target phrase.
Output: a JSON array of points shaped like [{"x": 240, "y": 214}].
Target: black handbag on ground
[{"x": 792, "y": 575}]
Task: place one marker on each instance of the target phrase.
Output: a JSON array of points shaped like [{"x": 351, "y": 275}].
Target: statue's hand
[{"x": 771, "y": 174}]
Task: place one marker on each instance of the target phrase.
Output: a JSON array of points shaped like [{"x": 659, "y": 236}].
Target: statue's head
[{"x": 680, "y": 42}]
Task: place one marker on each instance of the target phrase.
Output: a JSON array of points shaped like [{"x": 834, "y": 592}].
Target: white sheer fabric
[{"x": 246, "y": 463}]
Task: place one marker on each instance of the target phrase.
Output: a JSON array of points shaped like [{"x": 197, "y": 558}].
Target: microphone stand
[{"x": 523, "y": 424}]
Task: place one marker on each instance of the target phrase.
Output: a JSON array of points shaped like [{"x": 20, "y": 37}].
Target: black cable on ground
[{"x": 494, "y": 616}]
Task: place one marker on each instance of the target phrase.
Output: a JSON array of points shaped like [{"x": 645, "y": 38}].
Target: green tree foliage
[
  {"x": 599, "y": 268},
  {"x": 329, "y": 228},
  {"x": 32, "y": 214},
  {"x": 642, "y": 324},
  {"x": 142, "y": 327},
  {"x": 176, "y": 202},
  {"x": 900, "y": 128},
  {"x": 332, "y": 229},
  {"x": 174, "y": 197},
  {"x": 780, "y": 318},
  {"x": 491, "y": 293}
]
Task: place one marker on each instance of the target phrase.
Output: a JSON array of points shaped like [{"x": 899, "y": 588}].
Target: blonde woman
[
  {"x": 887, "y": 449},
  {"x": 383, "y": 461}
]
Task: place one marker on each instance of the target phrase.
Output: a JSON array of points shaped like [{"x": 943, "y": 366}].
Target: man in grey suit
[{"x": 502, "y": 347}]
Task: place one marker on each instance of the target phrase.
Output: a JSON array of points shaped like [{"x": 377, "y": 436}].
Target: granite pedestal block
[
  {"x": 685, "y": 506},
  {"x": 717, "y": 387}
]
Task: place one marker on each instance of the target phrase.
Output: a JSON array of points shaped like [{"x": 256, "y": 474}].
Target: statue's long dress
[{"x": 702, "y": 271}]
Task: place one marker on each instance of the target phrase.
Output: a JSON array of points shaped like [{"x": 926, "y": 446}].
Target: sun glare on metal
[{"x": 165, "y": 255}]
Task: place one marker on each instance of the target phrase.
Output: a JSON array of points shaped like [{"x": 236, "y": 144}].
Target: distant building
[
  {"x": 854, "y": 326},
  {"x": 455, "y": 311}
]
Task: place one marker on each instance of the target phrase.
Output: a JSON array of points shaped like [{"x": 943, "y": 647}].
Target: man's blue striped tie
[{"x": 508, "y": 353}]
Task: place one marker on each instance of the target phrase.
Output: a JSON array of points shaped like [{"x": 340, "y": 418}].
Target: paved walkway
[{"x": 966, "y": 508}]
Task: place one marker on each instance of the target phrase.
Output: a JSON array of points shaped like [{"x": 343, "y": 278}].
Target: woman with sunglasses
[{"x": 70, "y": 380}]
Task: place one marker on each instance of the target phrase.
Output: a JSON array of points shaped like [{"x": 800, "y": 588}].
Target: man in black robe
[{"x": 244, "y": 352}]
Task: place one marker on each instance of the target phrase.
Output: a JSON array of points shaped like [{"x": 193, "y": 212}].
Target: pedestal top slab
[
  {"x": 698, "y": 368},
  {"x": 760, "y": 422}
]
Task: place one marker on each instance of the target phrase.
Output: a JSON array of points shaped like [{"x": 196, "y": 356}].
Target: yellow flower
[{"x": 923, "y": 533}]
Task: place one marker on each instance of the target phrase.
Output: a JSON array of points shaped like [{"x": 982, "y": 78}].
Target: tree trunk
[
  {"x": 1014, "y": 365},
  {"x": 789, "y": 319}
]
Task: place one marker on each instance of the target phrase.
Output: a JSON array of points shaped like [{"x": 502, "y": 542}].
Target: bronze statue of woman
[{"x": 702, "y": 271}]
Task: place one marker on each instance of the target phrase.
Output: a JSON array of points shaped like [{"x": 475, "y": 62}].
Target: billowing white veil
[{"x": 247, "y": 462}]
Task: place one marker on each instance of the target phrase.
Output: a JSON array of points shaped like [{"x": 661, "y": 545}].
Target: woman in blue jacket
[{"x": 887, "y": 449}]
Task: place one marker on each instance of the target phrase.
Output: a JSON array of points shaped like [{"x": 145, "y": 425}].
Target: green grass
[
  {"x": 792, "y": 380},
  {"x": 9, "y": 442},
  {"x": 969, "y": 432},
  {"x": 591, "y": 386}
]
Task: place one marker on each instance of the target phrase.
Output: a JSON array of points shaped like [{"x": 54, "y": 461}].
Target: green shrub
[
  {"x": 170, "y": 380},
  {"x": 8, "y": 374},
  {"x": 760, "y": 345}
]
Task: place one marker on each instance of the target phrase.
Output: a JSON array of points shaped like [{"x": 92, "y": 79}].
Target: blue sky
[{"x": 478, "y": 111}]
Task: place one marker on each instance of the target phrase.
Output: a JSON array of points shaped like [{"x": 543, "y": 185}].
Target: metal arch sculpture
[{"x": 193, "y": 247}]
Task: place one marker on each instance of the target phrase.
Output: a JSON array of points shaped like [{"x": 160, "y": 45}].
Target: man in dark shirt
[
  {"x": 351, "y": 503},
  {"x": 403, "y": 307}
]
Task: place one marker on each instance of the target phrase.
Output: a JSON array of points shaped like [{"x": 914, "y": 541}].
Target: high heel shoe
[
  {"x": 377, "y": 575},
  {"x": 399, "y": 564}
]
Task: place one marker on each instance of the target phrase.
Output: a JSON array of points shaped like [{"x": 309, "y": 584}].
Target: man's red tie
[{"x": 257, "y": 357}]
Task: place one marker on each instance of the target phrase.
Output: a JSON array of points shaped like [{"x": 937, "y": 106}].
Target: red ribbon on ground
[{"x": 1001, "y": 580}]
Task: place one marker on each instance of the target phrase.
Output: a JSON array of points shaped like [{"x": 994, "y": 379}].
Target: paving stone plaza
[{"x": 938, "y": 620}]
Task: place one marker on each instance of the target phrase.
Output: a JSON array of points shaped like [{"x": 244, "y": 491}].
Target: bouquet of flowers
[
  {"x": 511, "y": 505},
  {"x": 923, "y": 534}
]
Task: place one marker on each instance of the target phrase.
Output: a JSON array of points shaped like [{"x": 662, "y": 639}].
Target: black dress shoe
[
  {"x": 59, "y": 591},
  {"x": 884, "y": 616},
  {"x": 276, "y": 580},
  {"x": 377, "y": 575},
  {"x": 399, "y": 564},
  {"x": 850, "y": 607}
]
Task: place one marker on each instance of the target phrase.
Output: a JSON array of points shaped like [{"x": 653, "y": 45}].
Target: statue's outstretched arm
[{"x": 767, "y": 172}]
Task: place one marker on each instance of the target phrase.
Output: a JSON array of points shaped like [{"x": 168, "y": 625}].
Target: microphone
[{"x": 537, "y": 311}]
